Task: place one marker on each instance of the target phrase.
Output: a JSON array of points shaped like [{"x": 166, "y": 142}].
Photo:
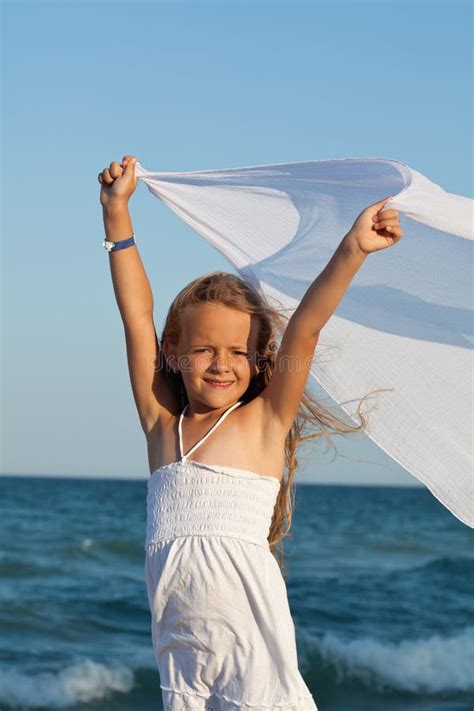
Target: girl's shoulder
[
  {"x": 165, "y": 404},
  {"x": 258, "y": 414}
]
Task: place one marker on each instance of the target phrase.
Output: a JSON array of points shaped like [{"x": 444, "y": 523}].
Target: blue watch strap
[{"x": 121, "y": 244}]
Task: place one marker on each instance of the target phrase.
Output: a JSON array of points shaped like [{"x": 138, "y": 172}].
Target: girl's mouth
[{"x": 219, "y": 385}]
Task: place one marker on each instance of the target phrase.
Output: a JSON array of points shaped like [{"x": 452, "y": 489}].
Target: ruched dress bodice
[
  {"x": 222, "y": 631},
  {"x": 187, "y": 498}
]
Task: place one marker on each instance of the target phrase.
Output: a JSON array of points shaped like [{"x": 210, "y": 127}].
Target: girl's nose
[{"x": 220, "y": 363}]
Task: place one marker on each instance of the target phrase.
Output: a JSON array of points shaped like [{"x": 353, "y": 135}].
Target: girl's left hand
[{"x": 374, "y": 230}]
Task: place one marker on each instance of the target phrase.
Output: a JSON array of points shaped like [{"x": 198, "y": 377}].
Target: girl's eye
[{"x": 200, "y": 350}]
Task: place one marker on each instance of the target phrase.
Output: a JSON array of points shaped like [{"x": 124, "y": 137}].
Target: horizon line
[{"x": 115, "y": 477}]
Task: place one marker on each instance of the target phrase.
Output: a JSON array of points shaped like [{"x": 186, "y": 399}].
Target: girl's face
[{"x": 217, "y": 343}]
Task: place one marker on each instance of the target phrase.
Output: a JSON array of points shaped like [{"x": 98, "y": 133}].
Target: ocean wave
[
  {"x": 80, "y": 682},
  {"x": 87, "y": 543},
  {"x": 120, "y": 546},
  {"x": 461, "y": 566},
  {"x": 432, "y": 665},
  {"x": 14, "y": 567}
]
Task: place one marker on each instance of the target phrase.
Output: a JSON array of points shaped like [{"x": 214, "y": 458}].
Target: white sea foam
[
  {"x": 434, "y": 664},
  {"x": 87, "y": 543},
  {"x": 84, "y": 681}
]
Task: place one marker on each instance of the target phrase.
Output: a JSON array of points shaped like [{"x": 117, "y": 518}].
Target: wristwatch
[{"x": 121, "y": 244}]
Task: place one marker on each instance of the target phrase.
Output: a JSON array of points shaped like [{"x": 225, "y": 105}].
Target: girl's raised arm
[
  {"x": 132, "y": 292},
  {"x": 372, "y": 231}
]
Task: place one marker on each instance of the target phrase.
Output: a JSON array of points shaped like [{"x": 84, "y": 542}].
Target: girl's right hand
[{"x": 118, "y": 182}]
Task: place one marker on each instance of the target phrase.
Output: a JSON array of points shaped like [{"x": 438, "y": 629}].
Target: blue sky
[{"x": 186, "y": 86}]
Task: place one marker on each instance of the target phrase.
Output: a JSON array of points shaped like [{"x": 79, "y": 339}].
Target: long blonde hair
[{"x": 232, "y": 291}]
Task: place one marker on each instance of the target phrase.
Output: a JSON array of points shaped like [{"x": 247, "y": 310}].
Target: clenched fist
[
  {"x": 118, "y": 182},
  {"x": 375, "y": 230}
]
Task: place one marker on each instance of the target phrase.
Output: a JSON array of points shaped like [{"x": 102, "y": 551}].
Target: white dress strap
[{"x": 204, "y": 437}]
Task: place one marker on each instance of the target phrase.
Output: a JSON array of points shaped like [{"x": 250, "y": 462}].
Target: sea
[{"x": 380, "y": 583}]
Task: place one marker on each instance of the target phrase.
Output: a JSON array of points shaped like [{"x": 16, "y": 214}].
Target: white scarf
[{"x": 405, "y": 322}]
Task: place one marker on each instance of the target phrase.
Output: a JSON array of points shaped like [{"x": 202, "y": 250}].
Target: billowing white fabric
[{"x": 405, "y": 323}]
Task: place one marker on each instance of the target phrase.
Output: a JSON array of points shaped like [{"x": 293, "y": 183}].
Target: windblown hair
[{"x": 232, "y": 291}]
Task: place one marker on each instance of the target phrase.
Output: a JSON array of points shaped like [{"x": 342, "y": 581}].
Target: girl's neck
[{"x": 200, "y": 412}]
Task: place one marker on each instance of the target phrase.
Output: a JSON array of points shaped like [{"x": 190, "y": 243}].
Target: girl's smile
[{"x": 219, "y": 384}]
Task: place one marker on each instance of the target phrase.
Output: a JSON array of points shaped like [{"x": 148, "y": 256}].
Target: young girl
[{"x": 219, "y": 405}]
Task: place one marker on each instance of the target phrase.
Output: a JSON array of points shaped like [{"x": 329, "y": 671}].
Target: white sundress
[{"x": 222, "y": 631}]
